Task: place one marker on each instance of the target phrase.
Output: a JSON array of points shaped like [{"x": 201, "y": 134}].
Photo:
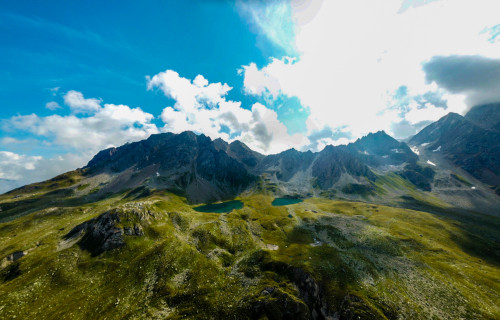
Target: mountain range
[
  {"x": 453, "y": 156},
  {"x": 183, "y": 226}
]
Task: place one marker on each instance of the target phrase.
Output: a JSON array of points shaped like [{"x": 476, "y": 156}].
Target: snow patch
[
  {"x": 316, "y": 243},
  {"x": 431, "y": 163},
  {"x": 272, "y": 247},
  {"x": 437, "y": 149},
  {"x": 386, "y": 156},
  {"x": 157, "y": 174},
  {"x": 414, "y": 149},
  {"x": 473, "y": 188},
  {"x": 425, "y": 144}
]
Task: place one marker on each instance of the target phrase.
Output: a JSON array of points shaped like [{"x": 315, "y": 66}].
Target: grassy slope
[{"x": 376, "y": 261}]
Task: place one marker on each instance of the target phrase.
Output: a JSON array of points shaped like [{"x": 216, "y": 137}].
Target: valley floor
[{"x": 318, "y": 258}]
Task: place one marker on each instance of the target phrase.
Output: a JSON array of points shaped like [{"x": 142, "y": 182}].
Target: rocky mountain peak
[
  {"x": 185, "y": 163},
  {"x": 485, "y": 116}
]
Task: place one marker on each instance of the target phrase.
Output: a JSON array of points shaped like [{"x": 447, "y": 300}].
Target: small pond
[
  {"x": 285, "y": 201},
  {"x": 222, "y": 207}
]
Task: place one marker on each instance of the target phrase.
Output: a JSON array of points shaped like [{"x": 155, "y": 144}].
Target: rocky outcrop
[
  {"x": 310, "y": 293},
  {"x": 9, "y": 266},
  {"x": 276, "y": 303},
  {"x": 421, "y": 177},
  {"x": 136, "y": 230},
  {"x": 104, "y": 232},
  {"x": 355, "y": 308},
  {"x": 99, "y": 234}
]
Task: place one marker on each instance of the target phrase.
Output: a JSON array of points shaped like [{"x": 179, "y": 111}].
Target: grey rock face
[
  {"x": 333, "y": 161},
  {"x": 16, "y": 256},
  {"x": 136, "y": 230},
  {"x": 274, "y": 303},
  {"x": 485, "y": 116},
  {"x": 286, "y": 164},
  {"x": 377, "y": 149},
  {"x": 99, "y": 234},
  {"x": 185, "y": 163},
  {"x": 464, "y": 144},
  {"x": 310, "y": 293}
]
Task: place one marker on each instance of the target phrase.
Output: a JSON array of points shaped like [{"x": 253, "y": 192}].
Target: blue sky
[
  {"x": 77, "y": 77},
  {"x": 105, "y": 49}
]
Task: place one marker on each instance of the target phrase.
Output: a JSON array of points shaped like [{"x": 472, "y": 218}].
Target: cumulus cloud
[
  {"x": 80, "y": 134},
  {"x": 355, "y": 54},
  {"x": 202, "y": 107},
  {"x": 78, "y": 104},
  {"x": 417, "y": 110},
  {"x": 11, "y": 140},
  {"x": 52, "y": 105},
  {"x": 189, "y": 95},
  {"x": 109, "y": 125},
  {"x": 477, "y": 77},
  {"x": 11, "y": 161},
  {"x": 326, "y": 136}
]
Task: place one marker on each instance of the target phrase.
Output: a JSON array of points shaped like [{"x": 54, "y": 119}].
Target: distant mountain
[
  {"x": 378, "y": 149},
  {"x": 465, "y": 144},
  {"x": 239, "y": 151},
  {"x": 332, "y": 162},
  {"x": 286, "y": 164},
  {"x": 204, "y": 170},
  {"x": 186, "y": 163},
  {"x": 375, "y": 168},
  {"x": 485, "y": 116}
]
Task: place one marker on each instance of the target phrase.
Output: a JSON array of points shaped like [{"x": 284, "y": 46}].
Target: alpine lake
[
  {"x": 222, "y": 207},
  {"x": 278, "y": 202}
]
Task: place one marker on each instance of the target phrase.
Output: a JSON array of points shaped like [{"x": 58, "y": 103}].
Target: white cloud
[
  {"x": 110, "y": 125},
  {"x": 83, "y": 135},
  {"x": 54, "y": 91},
  {"x": 354, "y": 53},
  {"x": 78, "y": 104},
  {"x": 189, "y": 95},
  {"x": 271, "y": 19},
  {"x": 429, "y": 113},
  {"x": 18, "y": 169},
  {"x": 52, "y": 105},
  {"x": 201, "y": 106},
  {"x": 11, "y": 140},
  {"x": 12, "y": 163},
  {"x": 267, "y": 134}
]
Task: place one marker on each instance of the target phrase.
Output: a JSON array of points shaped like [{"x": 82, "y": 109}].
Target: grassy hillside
[{"x": 352, "y": 259}]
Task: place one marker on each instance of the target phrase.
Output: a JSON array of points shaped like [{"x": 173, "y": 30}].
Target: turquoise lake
[
  {"x": 285, "y": 201},
  {"x": 222, "y": 207}
]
